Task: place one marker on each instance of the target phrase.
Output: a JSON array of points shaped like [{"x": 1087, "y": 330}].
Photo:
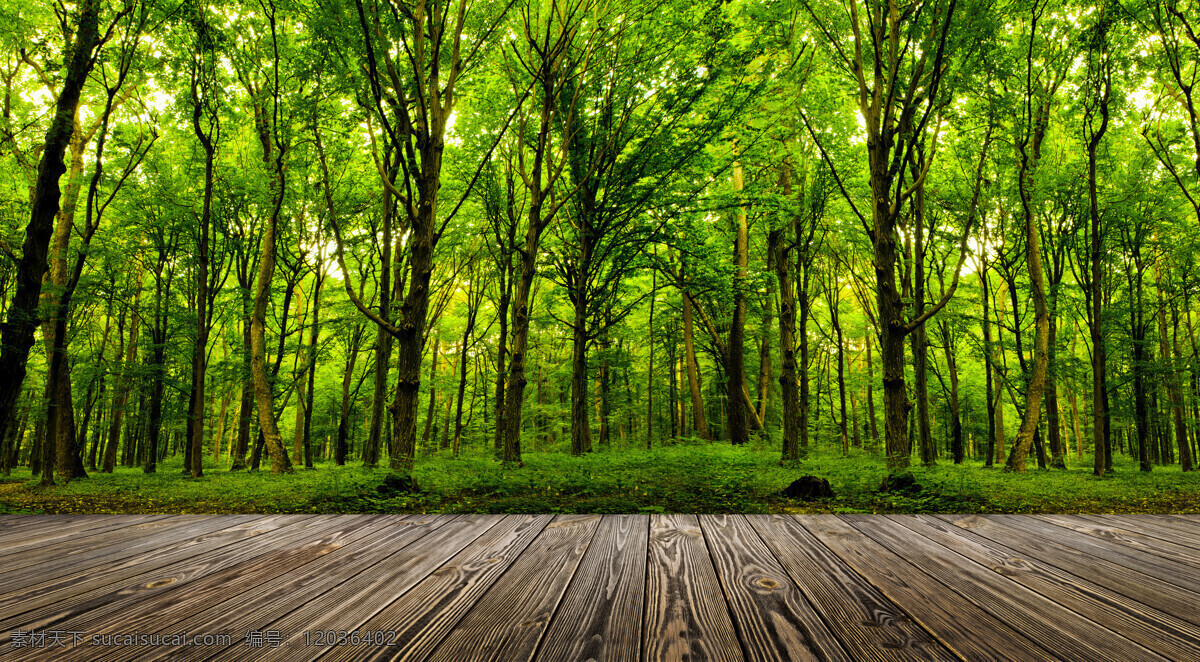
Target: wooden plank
[
  {"x": 868, "y": 625},
  {"x": 1128, "y": 538},
  {"x": 686, "y": 616},
  {"x": 600, "y": 617},
  {"x": 773, "y": 619},
  {"x": 509, "y": 620},
  {"x": 252, "y": 610},
  {"x": 1050, "y": 624},
  {"x": 348, "y": 605},
  {"x": 420, "y": 619},
  {"x": 1179, "y": 574},
  {"x": 1164, "y": 596},
  {"x": 49, "y": 602},
  {"x": 102, "y": 551},
  {"x": 1164, "y": 634},
  {"x": 141, "y": 613},
  {"x": 1163, "y": 528},
  {"x": 941, "y": 611},
  {"x": 13, "y": 526},
  {"x": 60, "y": 528}
]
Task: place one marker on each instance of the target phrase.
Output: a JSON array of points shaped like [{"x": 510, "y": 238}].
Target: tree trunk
[
  {"x": 17, "y": 332},
  {"x": 989, "y": 367},
  {"x": 650, "y": 363},
  {"x": 1174, "y": 394},
  {"x": 956, "y": 440},
  {"x": 787, "y": 339},
  {"x": 693, "y": 372},
  {"x": 581, "y": 427},
  {"x": 735, "y": 363},
  {"x": 429, "y": 415}
]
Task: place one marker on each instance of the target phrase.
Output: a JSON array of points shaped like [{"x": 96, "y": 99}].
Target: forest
[{"x": 241, "y": 234}]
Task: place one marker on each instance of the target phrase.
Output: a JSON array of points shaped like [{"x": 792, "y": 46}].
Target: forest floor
[{"x": 699, "y": 478}]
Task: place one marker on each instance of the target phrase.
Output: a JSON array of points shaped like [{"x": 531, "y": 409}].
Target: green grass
[{"x": 704, "y": 478}]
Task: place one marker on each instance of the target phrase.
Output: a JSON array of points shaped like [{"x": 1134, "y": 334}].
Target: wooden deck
[{"x": 613, "y": 587}]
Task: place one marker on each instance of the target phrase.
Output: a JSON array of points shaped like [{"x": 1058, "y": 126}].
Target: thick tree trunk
[
  {"x": 1035, "y": 390},
  {"x": 17, "y": 332}
]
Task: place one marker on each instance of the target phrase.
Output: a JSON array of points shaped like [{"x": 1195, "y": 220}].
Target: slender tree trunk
[
  {"x": 1174, "y": 394},
  {"x": 871, "y": 394},
  {"x": 956, "y": 440},
  {"x": 1057, "y": 459},
  {"x": 581, "y": 427},
  {"x": 693, "y": 372},
  {"x": 989, "y": 367},
  {"x": 735, "y": 363},
  {"x": 787, "y": 339},
  {"x": 429, "y": 415},
  {"x": 650, "y": 364}
]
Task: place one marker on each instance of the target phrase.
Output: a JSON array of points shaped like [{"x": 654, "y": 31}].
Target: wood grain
[
  {"x": 1168, "y": 636},
  {"x": 1166, "y": 570},
  {"x": 959, "y": 624},
  {"x": 146, "y": 613},
  {"x": 600, "y": 615},
  {"x": 869, "y": 625},
  {"x": 1139, "y": 542},
  {"x": 389, "y": 535},
  {"x": 430, "y": 610},
  {"x": 58, "y": 528},
  {"x": 1059, "y": 629},
  {"x": 686, "y": 616},
  {"x": 507, "y": 623},
  {"x": 773, "y": 619},
  {"x": 100, "y": 551},
  {"x": 1161, "y": 528},
  {"x": 1161, "y": 595},
  {"x": 47, "y": 603}
]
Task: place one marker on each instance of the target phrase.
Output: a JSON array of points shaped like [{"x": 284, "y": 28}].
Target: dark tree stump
[{"x": 808, "y": 488}]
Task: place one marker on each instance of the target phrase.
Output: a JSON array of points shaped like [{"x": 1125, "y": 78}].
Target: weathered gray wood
[
  {"x": 1163, "y": 596},
  {"x": 773, "y": 619},
  {"x": 57, "y": 600},
  {"x": 1166, "y": 635},
  {"x": 59, "y": 528},
  {"x": 387, "y": 535},
  {"x": 714, "y": 587},
  {"x": 1110, "y": 531},
  {"x": 1179, "y": 574},
  {"x": 1158, "y": 526},
  {"x": 939, "y": 610},
  {"x": 101, "y": 551},
  {"x": 142, "y": 613},
  {"x": 508, "y": 621},
  {"x": 868, "y": 625},
  {"x": 600, "y": 615},
  {"x": 1055, "y": 627},
  {"x": 686, "y": 617},
  {"x": 423, "y": 616}
]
